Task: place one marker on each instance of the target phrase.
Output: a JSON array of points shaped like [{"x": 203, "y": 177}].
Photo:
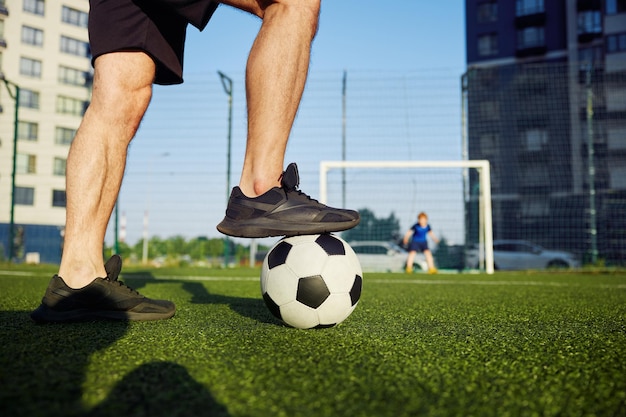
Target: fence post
[{"x": 591, "y": 169}]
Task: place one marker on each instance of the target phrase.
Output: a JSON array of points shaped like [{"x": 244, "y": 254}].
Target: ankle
[
  {"x": 257, "y": 187},
  {"x": 80, "y": 275}
]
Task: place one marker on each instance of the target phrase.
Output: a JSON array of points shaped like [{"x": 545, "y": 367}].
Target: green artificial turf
[{"x": 511, "y": 344}]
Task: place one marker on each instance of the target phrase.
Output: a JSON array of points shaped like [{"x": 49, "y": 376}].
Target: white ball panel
[
  {"x": 306, "y": 259},
  {"x": 282, "y": 285},
  {"x": 335, "y": 309},
  {"x": 339, "y": 274},
  {"x": 298, "y": 315}
]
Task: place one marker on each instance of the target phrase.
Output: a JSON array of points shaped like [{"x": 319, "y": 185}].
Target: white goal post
[{"x": 485, "y": 209}]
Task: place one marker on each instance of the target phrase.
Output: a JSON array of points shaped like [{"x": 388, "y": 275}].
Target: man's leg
[
  {"x": 97, "y": 158},
  {"x": 276, "y": 74},
  {"x": 85, "y": 289}
]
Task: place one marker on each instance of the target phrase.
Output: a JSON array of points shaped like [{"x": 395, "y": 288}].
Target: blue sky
[
  {"x": 354, "y": 35},
  {"x": 182, "y": 138}
]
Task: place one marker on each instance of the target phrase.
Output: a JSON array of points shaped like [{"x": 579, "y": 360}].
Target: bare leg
[
  {"x": 97, "y": 159},
  {"x": 429, "y": 259},
  {"x": 409, "y": 261},
  {"x": 276, "y": 73}
]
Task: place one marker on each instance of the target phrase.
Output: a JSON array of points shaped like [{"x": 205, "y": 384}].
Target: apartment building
[
  {"x": 44, "y": 51},
  {"x": 545, "y": 91}
]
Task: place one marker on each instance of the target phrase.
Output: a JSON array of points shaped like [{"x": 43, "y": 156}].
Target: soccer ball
[{"x": 311, "y": 280}]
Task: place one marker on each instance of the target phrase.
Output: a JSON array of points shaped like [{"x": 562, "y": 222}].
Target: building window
[
  {"x": 527, "y": 7},
  {"x": 616, "y": 43},
  {"x": 535, "y": 176},
  {"x": 488, "y": 44},
  {"x": 615, "y": 6},
  {"x": 32, "y": 36},
  {"x": 73, "y": 76},
  {"x": 616, "y": 137},
  {"x": 29, "y": 98},
  {"x": 488, "y": 143},
  {"x": 64, "y": 135},
  {"x": 617, "y": 176},
  {"x": 74, "y": 17},
  {"x": 68, "y": 105},
  {"x": 75, "y": 47},
  {"x": 30, "y": 67},
  {"x": 534, "y": 139},
  {"x": 24, "y": 196},
  {"x": 616, "y": 100},
  {"x": 27, "y": 131},
  {"x": 35, "y": 7},
  {"x": 531, "y": 37},
  {"x": 58, "y": 198},
  {"x": 590, "y": 57},
  {"x": 26, "y": 164},
  {"x": 589, "y": 22},
  {"x": 59, "y": 166},
  {"x": 489, "y": 110},
  {"x": 535, "y": 207},
  {"x": 487, "y": 12}
]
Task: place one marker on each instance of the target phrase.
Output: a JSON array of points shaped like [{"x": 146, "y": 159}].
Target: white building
[{"x": 44, "y": 50}]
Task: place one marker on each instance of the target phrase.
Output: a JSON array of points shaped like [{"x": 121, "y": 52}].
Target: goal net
[{"x": 455, "y": 195}]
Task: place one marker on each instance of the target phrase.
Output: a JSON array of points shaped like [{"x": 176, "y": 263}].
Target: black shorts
[
  {"x": 157, "y": 27},
  {"x": 418, "y": 246}
]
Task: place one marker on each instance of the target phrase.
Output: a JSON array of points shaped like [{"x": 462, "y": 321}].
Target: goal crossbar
[{"x": 485, "y": 210}]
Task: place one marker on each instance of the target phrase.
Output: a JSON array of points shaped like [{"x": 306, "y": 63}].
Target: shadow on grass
[
  {"x": 43, "y": 369},
  {"x": 253, "y": 308}
]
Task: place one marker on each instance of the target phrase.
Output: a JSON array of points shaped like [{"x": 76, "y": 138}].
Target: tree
[
  {"x": 372, "y": 228},
  {"x": 176, "y": 246}
]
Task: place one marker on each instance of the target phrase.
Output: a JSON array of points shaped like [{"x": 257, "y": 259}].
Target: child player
[{"x": 418, "y": 233}]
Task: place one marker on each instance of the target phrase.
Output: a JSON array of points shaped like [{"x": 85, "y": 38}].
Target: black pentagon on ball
[
  {"x": 278, "y": 255},
  {"x": 312, "y": 291},
  {"x": 272, "y": 306},
  {"x": 355, "y": 291},
  {"x": 330, "y": 244}
]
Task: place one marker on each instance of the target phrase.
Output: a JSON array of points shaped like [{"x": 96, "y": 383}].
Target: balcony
[
  {"x": 589, "y": 25},
  {"x": 531, "y": 41},
  {"x": 534, "y": 19},
  {"x": 584, "y": 5}
]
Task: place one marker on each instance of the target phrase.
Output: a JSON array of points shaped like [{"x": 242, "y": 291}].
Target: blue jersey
[{"x": 419, "y": 232}]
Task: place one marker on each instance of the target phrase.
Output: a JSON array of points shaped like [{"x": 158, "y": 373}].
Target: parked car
[
  {"x": 521, "y": 254},
  {"x": 381, "y": 256}
]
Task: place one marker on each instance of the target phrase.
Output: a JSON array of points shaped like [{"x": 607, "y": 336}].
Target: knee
[
  {"x": 121, "y": 96},
  {"x": 305, "y": 13},
  {"x": 120, "y": 110}
]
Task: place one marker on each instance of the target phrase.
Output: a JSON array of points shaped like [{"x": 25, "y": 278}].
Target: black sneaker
[
  {"x": 105, "y": 298},
  {"x": 283, "y": 211}
]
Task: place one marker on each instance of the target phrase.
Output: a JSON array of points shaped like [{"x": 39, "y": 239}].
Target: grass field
[{"x": 511, "y": 344}]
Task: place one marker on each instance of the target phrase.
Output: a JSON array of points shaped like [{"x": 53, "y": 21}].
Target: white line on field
[
  {"x": 504, "y": 283},
  {"x": 374, "y": 281},
  {"x": 411, "y": 281},
  {"x": 191, "y": 278},
  {"x": 473, "y": 282},
  {"x": 20, "y": 273}
]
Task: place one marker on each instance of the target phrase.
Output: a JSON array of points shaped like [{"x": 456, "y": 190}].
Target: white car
[
  {"x": 521, "y": 254},
  {"x": 381, "y": 256}
]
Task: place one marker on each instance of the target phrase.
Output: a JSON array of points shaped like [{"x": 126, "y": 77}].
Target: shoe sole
[
  {"x": 260, "y": 228},
  {"x": 44, "y": 314}
]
